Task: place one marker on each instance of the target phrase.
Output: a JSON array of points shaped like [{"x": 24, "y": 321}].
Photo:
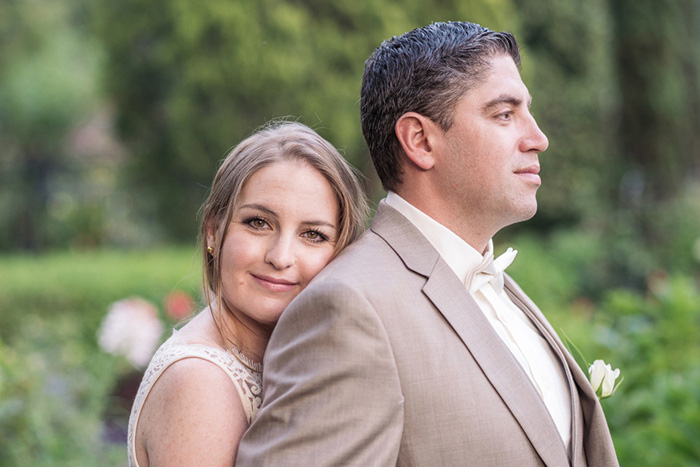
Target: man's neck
[{"x": 469, "y": 230}]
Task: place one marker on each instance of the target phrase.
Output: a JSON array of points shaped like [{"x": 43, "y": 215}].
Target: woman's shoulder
[
  {"x": 194, "y": 382},
  {"x": 182, "y": 358},
  {"x": 192, "y": 412},
  {"x": 193, "y": 374},
  {"x": 180, "y": 348}
]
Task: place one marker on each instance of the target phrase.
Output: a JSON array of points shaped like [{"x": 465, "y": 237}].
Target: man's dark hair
[{"x": 426, "y": 71}]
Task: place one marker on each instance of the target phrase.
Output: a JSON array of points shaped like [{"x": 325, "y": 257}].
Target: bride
[{"x": 282, "y": 205}]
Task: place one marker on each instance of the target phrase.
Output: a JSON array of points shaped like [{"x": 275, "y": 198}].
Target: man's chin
[
  {"x": 523, "y": 214},
  {"x": 531, "y": 213}
]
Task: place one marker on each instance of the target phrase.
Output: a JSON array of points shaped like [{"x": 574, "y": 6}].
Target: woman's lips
[{"x": 274, "y": 284}]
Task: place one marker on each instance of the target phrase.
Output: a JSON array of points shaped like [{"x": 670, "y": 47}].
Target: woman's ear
[
  {"x": 414, "y": 131},
  {"x": 210, "y": 233}
]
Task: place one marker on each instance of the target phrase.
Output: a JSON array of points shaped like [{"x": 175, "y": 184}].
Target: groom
[{"x": 413, "y": 347}]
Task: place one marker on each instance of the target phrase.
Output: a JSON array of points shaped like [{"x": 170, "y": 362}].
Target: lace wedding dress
[{"x": 247, "y": 382}]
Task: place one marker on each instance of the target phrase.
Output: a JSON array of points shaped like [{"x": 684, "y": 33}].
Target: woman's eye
[
  {"x": 315, "y": 236},
  {"x": 257, "y": 223}
]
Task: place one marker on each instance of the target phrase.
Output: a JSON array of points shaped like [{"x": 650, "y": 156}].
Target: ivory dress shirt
[{"x": 510, "y": 323}]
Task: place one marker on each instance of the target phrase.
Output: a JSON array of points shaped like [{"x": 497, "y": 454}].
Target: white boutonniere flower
[
  {"x": 601, "y": 374},
  {"x": 603, "y": 379}
]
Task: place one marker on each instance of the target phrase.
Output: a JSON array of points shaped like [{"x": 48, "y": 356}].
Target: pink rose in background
[
  {"x": 131, "y": 328},
  {"x": 179, "y": 305}
]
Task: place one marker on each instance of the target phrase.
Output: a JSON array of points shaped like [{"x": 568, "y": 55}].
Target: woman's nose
[{"x": 281, "y": 254}]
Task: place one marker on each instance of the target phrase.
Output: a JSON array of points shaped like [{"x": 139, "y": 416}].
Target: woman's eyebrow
[
  {"x": 320, "y": 222},
  {"x": 259, "y": 207}
]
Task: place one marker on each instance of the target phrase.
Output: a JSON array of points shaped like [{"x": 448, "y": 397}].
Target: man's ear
[{"x": 414, "y": 132}]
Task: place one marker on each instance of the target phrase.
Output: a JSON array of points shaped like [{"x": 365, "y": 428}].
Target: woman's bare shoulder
[{"x": 192, "y": 415}]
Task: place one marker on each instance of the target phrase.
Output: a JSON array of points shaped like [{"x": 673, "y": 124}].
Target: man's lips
[
  {"x": 530, "y": 173},
  {"x": 274, "y": 284}
]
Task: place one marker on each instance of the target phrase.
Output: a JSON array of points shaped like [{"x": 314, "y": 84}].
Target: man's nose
[{"x": 536, "y": 140}]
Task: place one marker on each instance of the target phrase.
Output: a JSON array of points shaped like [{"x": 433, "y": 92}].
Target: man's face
[{"x": 489, "y": 169}]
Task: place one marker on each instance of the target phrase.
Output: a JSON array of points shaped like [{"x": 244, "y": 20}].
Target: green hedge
[{"x": 61, "y": 401}]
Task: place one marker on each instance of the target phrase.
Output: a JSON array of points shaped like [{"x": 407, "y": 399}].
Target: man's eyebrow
[{"x": 505, "y": 99}]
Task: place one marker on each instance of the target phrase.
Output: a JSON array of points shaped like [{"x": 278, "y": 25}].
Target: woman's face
[{"x": 282, "y": 234}]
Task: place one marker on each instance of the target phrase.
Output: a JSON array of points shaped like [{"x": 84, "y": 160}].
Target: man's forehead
[{"x": 500, "y": 82}]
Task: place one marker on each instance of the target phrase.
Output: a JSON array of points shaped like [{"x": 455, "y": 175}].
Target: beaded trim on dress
[{"x": 247, "y": 382}]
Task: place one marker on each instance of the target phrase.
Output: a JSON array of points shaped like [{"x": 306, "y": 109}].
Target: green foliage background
[
  {"x": 60, "y": 393},
  {"x": 114, "y": 115},
  {"x": 192, "y": 79}
]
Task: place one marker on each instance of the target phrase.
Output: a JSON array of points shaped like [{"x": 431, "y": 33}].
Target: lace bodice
[{"x": 247, "y": 382}]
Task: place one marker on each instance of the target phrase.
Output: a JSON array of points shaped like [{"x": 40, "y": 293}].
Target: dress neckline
[{"x": 250, "y": 363}]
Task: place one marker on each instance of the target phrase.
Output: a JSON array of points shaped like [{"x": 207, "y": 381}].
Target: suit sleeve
[{"x": 331, "y": 389}]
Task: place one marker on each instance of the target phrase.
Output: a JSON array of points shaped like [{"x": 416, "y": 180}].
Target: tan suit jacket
[{"x": 385, "y": 359}]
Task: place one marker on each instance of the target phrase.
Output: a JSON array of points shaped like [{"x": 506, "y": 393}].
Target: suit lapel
[
  {"x": 451, "y": 298},
  {"x": 577, "y": 374},
  {"x": 523, "y": 302},
  {"x": 583, "y": 391}
]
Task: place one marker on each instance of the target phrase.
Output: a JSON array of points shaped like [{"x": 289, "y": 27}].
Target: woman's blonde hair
[{"x": 277, "y": 141}]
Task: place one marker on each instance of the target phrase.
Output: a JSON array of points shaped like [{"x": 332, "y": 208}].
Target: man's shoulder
[{"x": 368, "y": 252}]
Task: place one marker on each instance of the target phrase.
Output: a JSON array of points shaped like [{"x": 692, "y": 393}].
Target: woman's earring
[{"x": 210, "y": 249}]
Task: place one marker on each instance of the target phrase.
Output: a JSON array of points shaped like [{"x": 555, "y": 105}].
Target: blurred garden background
[{"x": 114, "y": 115}]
